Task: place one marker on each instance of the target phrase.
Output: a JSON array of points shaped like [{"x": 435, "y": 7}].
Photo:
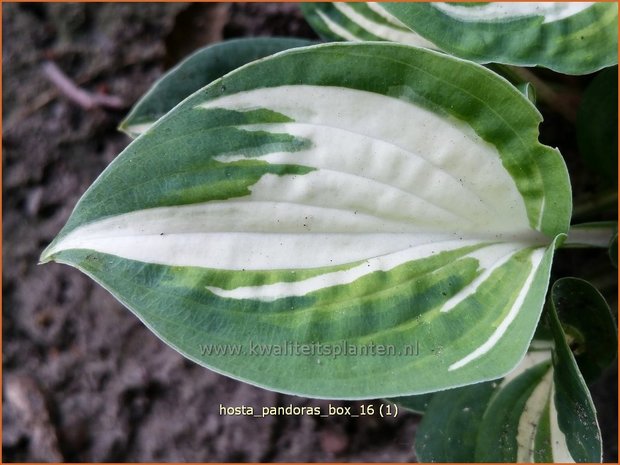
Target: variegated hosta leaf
[
  {"x": 541, "y": 412},
  {"x": 346, "y": 195},
  {"x": 419, "y": 403},
  {"x": 358, "y": 22},
  {"x": 558, "y": 421},
  {"x": 199, "y": 69},
  {"x": 568, "y": 37},
  {"x": 588, "y": 323}
]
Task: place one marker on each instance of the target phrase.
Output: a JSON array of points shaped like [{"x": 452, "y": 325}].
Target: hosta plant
[{"x": 304, "y": 218}]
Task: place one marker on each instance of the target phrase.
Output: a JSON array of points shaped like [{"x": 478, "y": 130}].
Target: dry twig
[
  {"x": 28, "y": 402},
  {"x": 83, "y": 98}
]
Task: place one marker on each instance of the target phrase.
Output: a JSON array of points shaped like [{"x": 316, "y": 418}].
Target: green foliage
[
  {"x": 597, "y": 125},
  {"x": 588, "y": 323},
  {"x": 302, "y": 220},
  {"x": 541, "y": 412},
  {"x": 568, "y": 38},
  {"x": 196, "y": 71},
  {"x": 426, "y": 273}
]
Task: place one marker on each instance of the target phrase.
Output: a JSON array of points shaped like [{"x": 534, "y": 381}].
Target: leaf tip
[
  {"x": 125, "y": 127},
  {"x": 132, "y": 129},
  {"x": 47, "y": 255}
]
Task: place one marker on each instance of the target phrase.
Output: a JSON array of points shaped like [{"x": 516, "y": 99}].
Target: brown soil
[{"x": 84, "y": 380}]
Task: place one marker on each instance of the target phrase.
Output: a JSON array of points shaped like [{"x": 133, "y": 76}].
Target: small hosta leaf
[
  {"x": 540, "y": 412},
  {"x": 588, "y": 321},
  {"x": 516, "y": 426},
  {"x": 449, "y": 429},
  {"x": 344, "y": 220},
  {"x": 568, "y": 37},
  {"x": 196, "y": 71}
]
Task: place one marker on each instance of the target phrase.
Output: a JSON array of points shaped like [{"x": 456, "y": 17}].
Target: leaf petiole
[{"x": 586, "y": 235}]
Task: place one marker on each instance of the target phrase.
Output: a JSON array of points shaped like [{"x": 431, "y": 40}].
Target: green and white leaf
[
  {"x": 314, "y": 198},
  {"x": 576, "y": 415},
  {"x": 197, "y": 70},
  {"x": 568, "y": 37},
  {"x": 360, "y": 21},
  {"x": 541, "y": 412}
]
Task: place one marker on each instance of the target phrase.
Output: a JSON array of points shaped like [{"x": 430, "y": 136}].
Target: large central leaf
[{"x": 374, "y": 199}]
